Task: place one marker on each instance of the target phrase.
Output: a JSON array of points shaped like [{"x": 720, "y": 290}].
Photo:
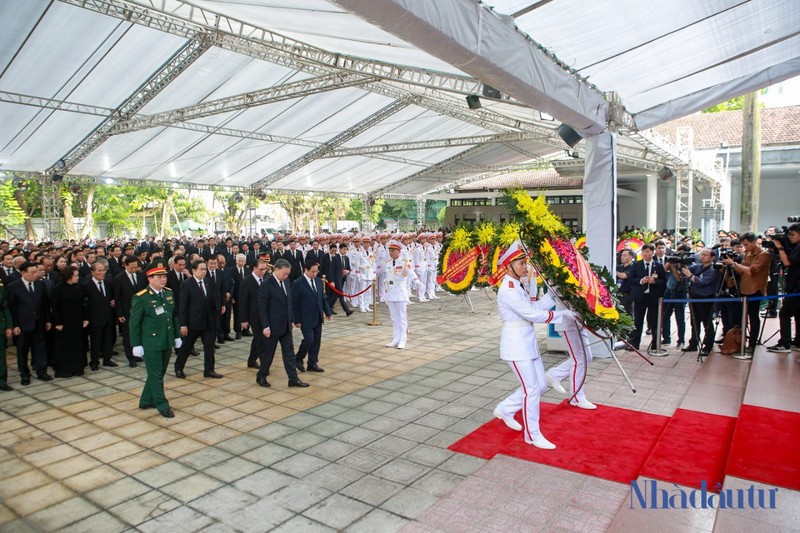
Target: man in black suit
[
  {"x": 239, "y": 272},
  {"x": 115, "y": 262},
  {"x": 8, "y": 273},
  {"x": 30, "y": 316},
  {"x": 275, "y": 309},
  {"x": 648, "y": 282},
  {"x": 295, "y": 257},
  {"x": 310, "y": 311},
  {"x": 315, "y": 253},
  {"x": 211, "y": 249},
  {"x": 176, "y": 276},
  {"x": 222, "y": 281},
  {"x": 101, "y": 316},
  {"x": 339, "y": 269},
  {"x": 124, "y": 285},
  {"x": 199, "y": 307},
  {"x": 248, "y": 311}
]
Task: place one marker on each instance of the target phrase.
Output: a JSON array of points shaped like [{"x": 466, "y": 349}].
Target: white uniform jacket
[
  {"x": 519, "y": 311},
  {"x": 396, "y": 280}
]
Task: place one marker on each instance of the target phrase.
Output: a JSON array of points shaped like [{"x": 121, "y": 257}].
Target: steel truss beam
[
  {"x": 187, "y": 20},
  {"x": 279, "y": 93},
  {"x": 179, "y": 62},
  {"x": 431, "y": 144},
  {"x": 58, "y": 105},
  {"x": 336, "y": 141}
]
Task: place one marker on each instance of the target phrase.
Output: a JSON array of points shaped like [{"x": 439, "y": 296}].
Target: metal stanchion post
[
  {"x": 374, "y": 304},
  {"x": 657, "y": 351},
  {"x": 743, "y": 352}
]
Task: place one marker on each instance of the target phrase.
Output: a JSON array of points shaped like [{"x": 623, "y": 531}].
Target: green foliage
[
  {"x": 440, "y": 216},
  {"x": 734, "y": 104},
  {"x": 10, "y": 212}
]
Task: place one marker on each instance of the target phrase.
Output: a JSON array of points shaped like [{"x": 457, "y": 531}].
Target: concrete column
[{"x": 652, "y": 202}]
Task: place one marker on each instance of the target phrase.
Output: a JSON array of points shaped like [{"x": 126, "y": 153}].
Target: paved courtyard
[{"x": 363, "y": 449}]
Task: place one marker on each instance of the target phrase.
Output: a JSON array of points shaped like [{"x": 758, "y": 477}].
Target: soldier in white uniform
[
  {"x": 519, "y": 311},
  {"x": 381, "y": 256},
  {"x": 432, "y": 260},
  {"x": 395, "y": 293},
  {"x": 420, "y": 266},
  {"x": 366, "y": 274},
  {"x": 574, "y": 366},
  {"x": 407, "y": 255}
]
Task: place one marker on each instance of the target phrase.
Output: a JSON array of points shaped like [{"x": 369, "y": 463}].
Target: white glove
[
  {"x": 178, "y": 342},
  {"x": 574, "y": 316},
  {"x": 138, "y": 351}
]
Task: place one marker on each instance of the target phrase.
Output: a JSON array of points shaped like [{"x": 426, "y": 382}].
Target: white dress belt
[{"x": 518, "y": 324}]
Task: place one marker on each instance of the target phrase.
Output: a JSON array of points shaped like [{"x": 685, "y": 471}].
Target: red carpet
[
  {"x": 693, "y": 447},
  {"x": 765, "y": 447},
  {"x": 609, "y": 443}
]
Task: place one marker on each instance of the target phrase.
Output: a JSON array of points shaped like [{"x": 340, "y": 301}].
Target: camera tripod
[{"x": 714, "y": 316}]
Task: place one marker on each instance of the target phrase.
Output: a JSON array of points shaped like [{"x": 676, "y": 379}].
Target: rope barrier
[{"x": 332, "y": 287}]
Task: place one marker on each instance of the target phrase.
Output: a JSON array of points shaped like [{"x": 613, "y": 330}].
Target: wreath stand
[{"x": 464, "y": 298}]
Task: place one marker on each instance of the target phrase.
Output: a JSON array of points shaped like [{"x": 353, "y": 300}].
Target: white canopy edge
[
  {"x": 487, "y": 45},
  {"x": 719, "y": 93}
]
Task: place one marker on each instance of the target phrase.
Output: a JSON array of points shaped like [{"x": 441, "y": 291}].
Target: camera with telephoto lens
[
  {"x": 769, "y": 242},
  {"x": 727, "y": 253},
  {"x": 793, "y": 219}
]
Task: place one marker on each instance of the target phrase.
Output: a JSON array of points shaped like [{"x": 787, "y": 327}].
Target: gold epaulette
[
  {"x": 141, "y": 292},
  {"x": 167, "y": 289}
]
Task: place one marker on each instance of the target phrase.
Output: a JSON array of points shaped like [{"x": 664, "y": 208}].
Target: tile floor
[{"x": 363, "y": 449}]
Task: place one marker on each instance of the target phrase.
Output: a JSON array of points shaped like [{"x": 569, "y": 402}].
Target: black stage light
[
  {"x": 665, "y": 173},
  {"x": 568, "y": 135},
  {"x": 57, "y": 178},
  {"x": 473, "y": 101}
]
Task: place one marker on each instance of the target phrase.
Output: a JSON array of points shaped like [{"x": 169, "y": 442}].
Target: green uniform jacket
[
  {"x": 5, "y": 312},
  {"x": 149, "y": 329}
]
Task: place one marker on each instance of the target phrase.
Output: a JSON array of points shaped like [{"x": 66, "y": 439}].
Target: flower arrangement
[
  {"x": 458, "y": 262},
  {"x": 588, "y": 289},
  {"x": 484, "y": 235}
]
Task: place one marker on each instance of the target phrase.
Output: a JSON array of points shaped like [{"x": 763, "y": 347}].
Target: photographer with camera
[
  {"x": 730, "y": 311},
  {"x": 753, "y": 272},
  {"x": 703, "y": 282},
  {"x": 790, "y": 258},
  {"x": 768, "y": 243},
  {"x": 676, "y": 289}
]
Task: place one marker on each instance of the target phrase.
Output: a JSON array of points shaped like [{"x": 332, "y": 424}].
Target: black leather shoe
[
  {"x": 138, "y": 359},
  {"x": 26, "y": 380},
  {"x": 133, "y": 364},
  {"x": 247, "y": 333},
  {"x": 297, "y": 383},
  {"x": 6, "y": 388},
  {"x": 221, "y": 340},
  {"x": 690, "y": 348},
  {"x": 94, "y": 366},
  {"x": 44, "y": 377},
  {"x": 301, "y": 367},
  {"x": 110, "y": 363},
  {"x": 263, "y": 382},
  {"x": 334, "y": 312},
  {"x": 212, "y": 375},
  {"x": 167, "y": 413},
  {"x": 349, "y": 312},
  {"x": 217, "y": 346},
  {"x": 180, "y": 374},
  {"x": 229, "y": 338},
  {"x": 238, "y": 336},
  {"x": 194, "y": 352},
  {"x": 315, "y": 368},
  {"x": 253, "y": 365}
]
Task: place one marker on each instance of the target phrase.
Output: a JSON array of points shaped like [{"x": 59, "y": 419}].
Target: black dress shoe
[
  {"x": 94, "y": 366},
  {"x": 315, "y": 368},
  {"x": 167, "y": 413},
  {"x": 690, "y": 348},
  {"x": 253, "y": 365},
  {"x": 44, "y": 377},
  {"x": 217, "y": 346},
  {"x": 133, "y": 364},
  {"x": 247, "y": 333},
  {"x": 349, "y": 312},
  {"x": 238, "y": 336},
  {"x": 194, "y": 352},
  {"x": 221, "y": 340},
  {"x": 212, "y": 375},
  {"x": 334, "y": 312},
  {"x": 180, "y": 374},
  {"x": 110, "y": 363},
  {"x": 300, "y": 367},
  {"x": 26, "y": 380},
  {"x": 137, "y": 359},
  {"x": 229, "y": 338},
  {"x": 263, "y": 382},
  {"x": 6, "y": 388},
  {"x": 297, "y": 383}
]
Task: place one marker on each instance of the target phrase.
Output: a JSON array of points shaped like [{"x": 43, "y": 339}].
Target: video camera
[
  {"x": 727, "y": 253},
  {"x": 681, "y": 258},
  {"x": 779, "y": 236}
]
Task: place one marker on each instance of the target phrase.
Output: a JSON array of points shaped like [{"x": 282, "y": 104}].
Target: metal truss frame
[
  {"x": 179, "y": 62},
  {"x": 431, "y": 144},
  {"x": 57, "y": 105},
  {"x": 336, "y": 141},
  {"x": 51, "y": 208}
]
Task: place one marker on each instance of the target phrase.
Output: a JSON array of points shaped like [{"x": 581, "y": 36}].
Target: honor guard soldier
[
  {"x": 399, "y": 275},
  {"x": 154, "y": 332},
  {"x": 520, "y": 310}
]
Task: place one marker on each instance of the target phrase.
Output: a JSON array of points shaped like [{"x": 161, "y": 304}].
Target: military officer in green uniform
[
  {"x": 154, "y": 331},
  {"x": 5, "y": 333}
]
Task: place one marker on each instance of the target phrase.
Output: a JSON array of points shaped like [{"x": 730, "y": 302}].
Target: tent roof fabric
[{"x": 85, "y": 80}]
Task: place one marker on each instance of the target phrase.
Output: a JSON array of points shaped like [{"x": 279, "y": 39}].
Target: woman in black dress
[{"x": 70, "y": 318}]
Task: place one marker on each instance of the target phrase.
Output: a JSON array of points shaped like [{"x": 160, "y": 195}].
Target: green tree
[
  {"x": 11, "y": 214},
  {"x": 440, "y": 216}
]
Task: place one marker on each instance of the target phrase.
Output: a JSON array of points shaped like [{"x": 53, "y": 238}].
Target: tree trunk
[
  {"x": 88, "y": 213},
  {"x": 751, "y": 163},
  {"x": 30, "y": 232},
  {"x": 165, "y": 213},
  {"x": 66, "y": 209}
]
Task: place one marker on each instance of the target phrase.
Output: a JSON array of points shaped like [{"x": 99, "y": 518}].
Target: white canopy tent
[{"x": 366, "y": 97}]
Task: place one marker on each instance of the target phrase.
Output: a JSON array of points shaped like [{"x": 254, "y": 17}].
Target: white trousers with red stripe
[
  {"x": 573, "y": 367},
  {"x": 399, "y": 313},
  {"x": 533, "y": 383}
]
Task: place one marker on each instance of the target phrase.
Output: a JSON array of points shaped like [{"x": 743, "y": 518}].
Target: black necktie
[
  {"x": 259, "y": 281},
  {"x": 313, "y": 286},
  {"x": 102, "y": 289},
  {"x": 133, "y": 280},
  {"x": 203, "y": 288},
  {"x": 30, "y": 287},
  {"x": 284, "y": 288}
]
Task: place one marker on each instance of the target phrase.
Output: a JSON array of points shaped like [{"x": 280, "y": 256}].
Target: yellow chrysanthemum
[
  {"x": 462, "y": 240},
  {"x": 485, "y": 233},
  {"x": 538, "y": 213},
  {"x": 508, "y": 234}
]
